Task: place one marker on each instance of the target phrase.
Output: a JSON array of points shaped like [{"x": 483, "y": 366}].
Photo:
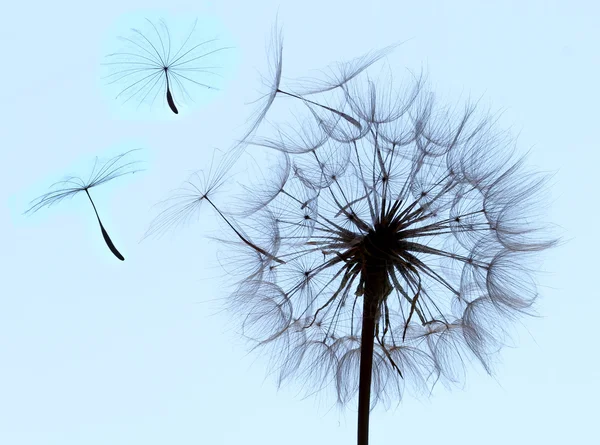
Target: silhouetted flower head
[
  {"x": 389, "y": 245},
  {"x": 386, "y": 208}
]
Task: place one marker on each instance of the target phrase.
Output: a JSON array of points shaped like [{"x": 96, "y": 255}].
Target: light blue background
[{"x": 95, "y": 351}]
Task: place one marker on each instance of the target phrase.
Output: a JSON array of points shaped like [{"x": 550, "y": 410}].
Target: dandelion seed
[
  {"x": 151, "y": 64},
  {"x": 72, "y": 185},
  {"x": 340, "y": 77},
  {"x": 184, "y": 203}
]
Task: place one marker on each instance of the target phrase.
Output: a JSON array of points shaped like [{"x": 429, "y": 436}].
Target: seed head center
[{"x": 380, "y": 243}]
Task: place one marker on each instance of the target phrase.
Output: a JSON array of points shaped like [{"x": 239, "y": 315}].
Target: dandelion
[
  {"x": 399, "y": 247},
  {"x": 72, "y": 185},
  {"x": 151, "y": 64}
]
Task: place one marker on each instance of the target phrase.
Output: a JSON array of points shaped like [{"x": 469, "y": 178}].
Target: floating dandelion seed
[
  {"x": 339, "y": 77},
  {"x": 184, "y": 202},
  {"x": 151, "y": 64},
  {"x": 73, "y": 185}
]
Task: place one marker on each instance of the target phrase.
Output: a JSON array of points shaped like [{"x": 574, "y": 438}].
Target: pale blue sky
[{"x": 95, "y": 351}]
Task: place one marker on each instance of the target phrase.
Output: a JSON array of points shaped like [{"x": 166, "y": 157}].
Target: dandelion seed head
[{"x": 419, "y": 218}]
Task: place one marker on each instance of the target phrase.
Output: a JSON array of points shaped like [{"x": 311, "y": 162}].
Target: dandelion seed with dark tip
[
  {"x": 184, "y": 203},
  {"x": 399, "y": 247},
  {"x": 153, "y": 64},
  {"x": 339, "y": 78},
  {"x": 72, "y": 185}
]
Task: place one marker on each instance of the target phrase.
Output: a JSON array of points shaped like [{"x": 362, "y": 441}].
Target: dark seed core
[{"x": 381, "y": 241}]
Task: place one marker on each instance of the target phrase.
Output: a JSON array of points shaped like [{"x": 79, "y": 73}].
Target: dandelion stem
[
  {"x": 377, "y": 287},
  {"x": 107, "y": 239},
  {"x": 366, "y": 369}
]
